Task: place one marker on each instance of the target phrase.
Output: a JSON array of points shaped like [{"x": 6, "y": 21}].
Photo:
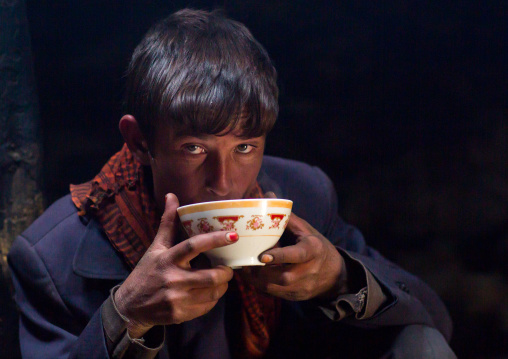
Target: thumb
[
  {"x": 270, "y": 194},
  {"x": 169, "y": 222}
]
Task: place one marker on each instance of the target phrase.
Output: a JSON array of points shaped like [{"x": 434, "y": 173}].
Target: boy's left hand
[{"x": 311, "y": 268}]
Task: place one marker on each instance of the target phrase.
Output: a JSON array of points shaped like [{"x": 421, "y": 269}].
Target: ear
[{"x": 135, "y": 140}]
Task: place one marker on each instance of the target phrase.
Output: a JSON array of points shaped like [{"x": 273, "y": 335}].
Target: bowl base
[{"x": 236, "y": 263}]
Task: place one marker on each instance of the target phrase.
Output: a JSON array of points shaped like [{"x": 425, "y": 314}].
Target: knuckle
[
  {"x": 190, "y": 244},
  {"x": 173, "y": 278},
  {"x": 166, "y": 219},
  {"x": 286, "y": 279},
  {"x": 298, "y": 295},
  {"x": 163, "y": 221},
  {"x": 216, "y": 294},
  {"x": 177, "y": 317},
  {"x": 207, "y": 308},
  {"x": 221, "y": 238},
  {"x": 293, "y": 296},
  {"x": 302, "y": 256},
  {"x": 312, "y": 239},
  {"x": 314, "y": 275},
  {"x": 300, "y": 234},
  {"x": 314, "y": 246},
  {"x": 318, "y": 243},
  {"x": 263, "y": 286},
  {"x": 169, "y": 299},
  {"x": 307, "y": 290},
  {"x": 161, "y": 263},
  {"x": 168, "y": 284},
  {"x": 212, "y": 279}
]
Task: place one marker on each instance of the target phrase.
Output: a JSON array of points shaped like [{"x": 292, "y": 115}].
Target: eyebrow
[{"x": 203, "y": 136}]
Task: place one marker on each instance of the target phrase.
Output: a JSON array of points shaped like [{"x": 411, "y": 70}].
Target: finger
[
  {"x": 298, "y": 253},
  {"x": 279, "y": 275},
  {"x": 207, "y": 295},
  {"x": 190, "y": 248},
  {"x": 270, "y": 194},
  {"x": 285, "y": 282},
  {"x": 209, "y": 278},
  {"x": 202, "y": 309},
  {"x": 189, "y": 311},
  {"x": 287, "y": 293},
  {"x": 169, "y": 222},
  {"x": 298, "y": 225}
]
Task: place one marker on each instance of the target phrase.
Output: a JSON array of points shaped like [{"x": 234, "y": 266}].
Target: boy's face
[{"x": 203, "y": 167}]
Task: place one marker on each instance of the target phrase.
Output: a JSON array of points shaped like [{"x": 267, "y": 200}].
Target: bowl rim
[{"x": 234, "y": 203}]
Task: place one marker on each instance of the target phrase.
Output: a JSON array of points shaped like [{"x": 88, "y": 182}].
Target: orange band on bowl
[{"x": 201, "y": 207}]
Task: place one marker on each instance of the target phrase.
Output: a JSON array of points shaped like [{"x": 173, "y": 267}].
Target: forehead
[{"x": 174, "y": 132}]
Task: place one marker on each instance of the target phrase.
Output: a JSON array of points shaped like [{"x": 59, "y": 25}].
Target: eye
[
  {"x": 244, "y": 148},
  {"x": 195, "y": 149}
]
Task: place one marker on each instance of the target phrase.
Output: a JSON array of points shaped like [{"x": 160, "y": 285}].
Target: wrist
[
  {"x": 339, "y": 285},
  {"x": 134, "y": 328}
]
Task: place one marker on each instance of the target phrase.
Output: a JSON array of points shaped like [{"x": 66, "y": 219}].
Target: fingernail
[
  {"x": 266, "y": 258},
  {"x": 232, "y": 237}
]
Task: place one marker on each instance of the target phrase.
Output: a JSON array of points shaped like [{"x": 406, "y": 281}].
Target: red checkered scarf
[{"x": 119, "y": 199}]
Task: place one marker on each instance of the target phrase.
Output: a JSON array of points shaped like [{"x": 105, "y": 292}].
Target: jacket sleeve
[
  {"x": 48, "y": 328},
  {"x": 409, "y": 300}
]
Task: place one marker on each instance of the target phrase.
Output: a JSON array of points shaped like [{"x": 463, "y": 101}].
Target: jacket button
[{"x": 402, "y": 286}]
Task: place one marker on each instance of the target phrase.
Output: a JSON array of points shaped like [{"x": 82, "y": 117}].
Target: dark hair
[{"x": 203, "y": 73}]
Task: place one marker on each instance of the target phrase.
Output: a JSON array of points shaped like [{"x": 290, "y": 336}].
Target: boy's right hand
[{"x": 163, "y": 288}]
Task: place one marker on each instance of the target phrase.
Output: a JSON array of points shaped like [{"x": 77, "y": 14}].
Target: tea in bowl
[{"x": 259, "y": 223}]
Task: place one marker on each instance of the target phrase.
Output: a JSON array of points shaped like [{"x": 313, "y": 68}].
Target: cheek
[
  {"x": 246, "y": 176},
  {"x": 183, "y": 183}
]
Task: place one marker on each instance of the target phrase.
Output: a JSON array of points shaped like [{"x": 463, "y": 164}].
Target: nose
[{"x": 219, "y": 181}]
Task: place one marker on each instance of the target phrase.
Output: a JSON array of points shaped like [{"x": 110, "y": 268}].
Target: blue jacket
[{"x": 63, "y": 267}]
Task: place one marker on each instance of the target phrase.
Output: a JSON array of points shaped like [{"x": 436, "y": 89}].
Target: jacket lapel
[{"x": 96, "y": 258}]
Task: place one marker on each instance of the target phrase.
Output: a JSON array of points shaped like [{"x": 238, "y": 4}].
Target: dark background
[{"x": 403, "y": 103}]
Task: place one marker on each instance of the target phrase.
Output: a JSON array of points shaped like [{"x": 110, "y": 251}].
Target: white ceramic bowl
[{"x": 258, "y": 222}]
